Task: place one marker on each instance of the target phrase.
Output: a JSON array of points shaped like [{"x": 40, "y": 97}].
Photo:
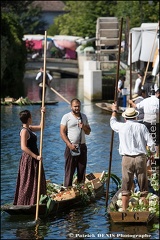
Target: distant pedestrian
[
  {"x": 141, "y": 97},
  {"x": 148, "y": 85},
  {"x": 119, "y": 90},
  {"x": 156, "y": 84},
  {"x": 138, "y": 82},
  {"x": 39, "y": 78}
]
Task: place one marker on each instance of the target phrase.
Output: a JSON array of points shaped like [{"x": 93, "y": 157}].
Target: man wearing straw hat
[{"x": 134, "y": 137}]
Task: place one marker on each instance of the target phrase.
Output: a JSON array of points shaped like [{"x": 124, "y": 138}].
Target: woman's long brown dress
[{"x": 27, "y": 180}]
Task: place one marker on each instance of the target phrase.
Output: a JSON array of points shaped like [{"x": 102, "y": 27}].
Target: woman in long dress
[{"x": 27, "y": 180}]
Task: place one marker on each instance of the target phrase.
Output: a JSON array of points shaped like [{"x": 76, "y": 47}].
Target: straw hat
[
  {"x": 130, "y": 113},
  {"x": 134, "y": 96}
]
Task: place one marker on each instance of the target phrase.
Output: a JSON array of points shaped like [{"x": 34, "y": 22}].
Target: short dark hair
[
  {"x": 141, "y": 73},
  {"x": 76, "y": 100},
  {"x": 149, "y": 78},
  {"x": 141, "y": 91},
  {"x": 122, "y": 77},
  {"x": 24, "y": 116}
]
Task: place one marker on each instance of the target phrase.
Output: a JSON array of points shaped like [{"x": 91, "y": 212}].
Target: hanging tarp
[
  {"x": 148, "y": 43},
  {"x": 37, "y": 44},
  {"x": 66, "y": 44},
  {"x": 33, "y": 37},
  {"x": 136, "y": 46},
  {"x": 36, "y": 41},
  {"x": 144, "y": 42}
]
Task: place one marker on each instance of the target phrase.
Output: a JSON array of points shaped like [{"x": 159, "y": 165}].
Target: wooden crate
[
  {"x": 131, "y": 217},
  {"x": 96, "y": 183},
  {"x": 8, "y": 99},
  {"x": 65, "y": 195}
]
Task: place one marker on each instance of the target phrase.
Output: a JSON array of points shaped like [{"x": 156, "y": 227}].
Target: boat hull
[
  {"x": 36, "y": 103},
  {"x": 107, "y": 107},
  {"x": 58, "y": 205},
  {"x": 24, "y": 209},
  {"x": 127, "y": 216},
  {"x": 131, "y": 217}
]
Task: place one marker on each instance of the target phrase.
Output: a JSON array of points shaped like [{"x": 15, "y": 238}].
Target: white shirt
[
  {"x": 150, "y": 107},
  {"x": 39, "y": 74},
  {"x": 133, "y": 137},
  {"x": 137, "y": 83},
  {"x": 140, "y": 117},
  {"x": 73, "y": 130},
  {"x": 120, "y": 83}
]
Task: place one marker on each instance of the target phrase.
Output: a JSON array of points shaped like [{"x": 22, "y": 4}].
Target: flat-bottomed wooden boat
[
  {"x": 107, "y": 107},
  {"x": 143, "y": 217},
  {"x": 36, "y": 103},
  {"x": 63, "y": 200},
  {"x": 152, "y": 202},
  {"x": 24, "y": 101}
]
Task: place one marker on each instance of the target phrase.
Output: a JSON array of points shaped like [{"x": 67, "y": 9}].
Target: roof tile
[{"x": 50, "y": 5}]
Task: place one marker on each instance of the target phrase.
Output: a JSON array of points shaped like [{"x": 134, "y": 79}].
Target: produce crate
[
  {"x": 65, "y": 195},
  {"x": 96, "y": 183},
  {"x": 8, "y": 99}
]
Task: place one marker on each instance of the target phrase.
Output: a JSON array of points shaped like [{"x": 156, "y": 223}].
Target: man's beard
[{"x": 76, "y": 112}]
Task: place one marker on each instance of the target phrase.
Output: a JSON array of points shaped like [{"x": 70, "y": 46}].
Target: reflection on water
[
  {"x": 91, "y": 221},
  {"x": 67, "y": 87}
]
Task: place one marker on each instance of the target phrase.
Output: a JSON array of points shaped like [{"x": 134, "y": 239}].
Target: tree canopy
[
  {"x": 17, "y": 18},
  {"x": 81, "y": 16},
  {"x": 14, "y": 56}
]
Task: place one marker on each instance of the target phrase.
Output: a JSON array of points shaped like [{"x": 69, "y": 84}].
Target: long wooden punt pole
[
  {"x": 60, "y": 95},
  {"x": 115, "y": 100},
  {"x": 42, "y": 128},
  {"x": 130, "y": 65}
]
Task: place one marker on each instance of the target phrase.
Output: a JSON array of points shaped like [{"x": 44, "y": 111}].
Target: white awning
[{"x": 144, "y": 42}]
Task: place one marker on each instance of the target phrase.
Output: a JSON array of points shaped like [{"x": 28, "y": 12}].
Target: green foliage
[
  {"x": 15, "y": 56},
  {"x": 31, "y": 22},
  {"x": 86, "y": 192},
  {"x": 122, "y": 72},
  {"x": 81, "y": 22},
  {"x": 137, "y": 11},
  {"x": 28, "y": 16},
  {"x": 4, "y": 52},
  {"x": 81, "y": 16},
  {"x": 15, "y": 6},
  {"x": 17, "y": 18}
]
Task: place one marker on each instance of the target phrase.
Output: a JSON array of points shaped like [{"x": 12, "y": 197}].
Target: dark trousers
[
  {"x": 41, "y": 92},
  {"x": 119, "y": 102},
  {"x": 73, "y": 163}
]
